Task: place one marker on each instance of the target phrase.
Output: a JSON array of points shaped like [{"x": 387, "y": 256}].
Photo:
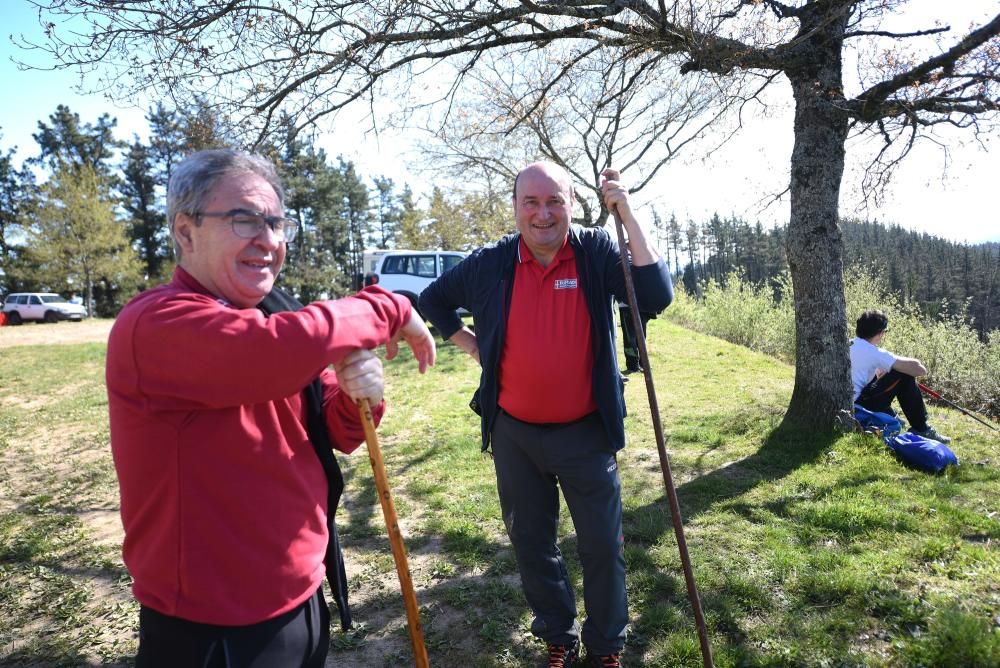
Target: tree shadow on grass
[{"x": 785, "y": 449}]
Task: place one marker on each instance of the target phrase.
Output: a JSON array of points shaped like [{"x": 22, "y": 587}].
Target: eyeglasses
[{"x": 248, "y": 224}]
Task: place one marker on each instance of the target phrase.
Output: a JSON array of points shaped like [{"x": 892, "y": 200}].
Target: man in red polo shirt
[{"x": 550, "y": 394}]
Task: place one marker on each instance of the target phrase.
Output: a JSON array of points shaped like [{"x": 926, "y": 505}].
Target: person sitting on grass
[{"x": 880, "y": 376}]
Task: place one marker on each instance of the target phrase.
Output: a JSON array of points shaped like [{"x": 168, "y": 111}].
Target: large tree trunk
[{"x": 814, "y": 244}]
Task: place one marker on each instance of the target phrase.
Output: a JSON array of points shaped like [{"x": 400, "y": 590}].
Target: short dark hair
[{"x": 871, "y": 323}]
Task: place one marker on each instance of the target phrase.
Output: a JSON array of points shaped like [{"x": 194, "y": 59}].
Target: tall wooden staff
[
  {"x": 668, "y": 482},
  {"x": 395, "y": 536}
]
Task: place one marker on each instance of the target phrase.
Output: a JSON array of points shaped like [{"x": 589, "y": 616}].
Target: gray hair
[{"x": 195, "y": 177}]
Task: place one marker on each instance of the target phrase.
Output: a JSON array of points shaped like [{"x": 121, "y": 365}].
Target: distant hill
[{"x": 932, "y": 272}]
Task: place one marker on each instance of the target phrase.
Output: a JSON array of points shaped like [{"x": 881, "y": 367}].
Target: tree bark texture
[{"x": 814, "y": 244}]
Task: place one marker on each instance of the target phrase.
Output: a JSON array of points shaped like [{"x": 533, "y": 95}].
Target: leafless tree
[
  {"x": 635, "y": 114},
  {"x": 310, "y": 58}
]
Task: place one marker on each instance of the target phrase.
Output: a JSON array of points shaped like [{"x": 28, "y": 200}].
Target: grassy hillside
[{"x": 809, "y": 550}]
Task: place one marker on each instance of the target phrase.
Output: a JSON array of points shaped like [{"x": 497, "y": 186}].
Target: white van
[{"x": 407, "y": 272}]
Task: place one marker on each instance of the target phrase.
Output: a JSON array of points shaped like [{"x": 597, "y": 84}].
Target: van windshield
[{"x": 52, "y": 299}]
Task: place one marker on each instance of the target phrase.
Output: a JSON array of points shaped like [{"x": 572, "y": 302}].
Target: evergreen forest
[{"x": 937, "y": 276}]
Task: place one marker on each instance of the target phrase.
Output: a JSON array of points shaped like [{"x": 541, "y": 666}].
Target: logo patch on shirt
[{"x": 565, "y": 284}]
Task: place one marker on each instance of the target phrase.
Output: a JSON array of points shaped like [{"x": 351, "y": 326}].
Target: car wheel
[
  {"x": 51, "y": 317},
  {"x": 14, "y": 318}
]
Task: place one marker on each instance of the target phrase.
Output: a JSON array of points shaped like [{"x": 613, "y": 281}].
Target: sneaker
[
  {"x": 932, "y": 434},
  {"x": 562, "y": 656},
  {"x": 604, "y": 660}
]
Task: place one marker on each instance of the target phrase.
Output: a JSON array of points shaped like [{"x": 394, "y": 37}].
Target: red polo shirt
[{"x": 546, "y": 368}]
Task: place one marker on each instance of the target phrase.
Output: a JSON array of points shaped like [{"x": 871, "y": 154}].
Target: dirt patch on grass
[{"x": 29, "y": 334}]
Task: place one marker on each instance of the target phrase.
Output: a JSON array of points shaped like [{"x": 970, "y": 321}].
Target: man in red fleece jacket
[{"x": 223, "y": 498}]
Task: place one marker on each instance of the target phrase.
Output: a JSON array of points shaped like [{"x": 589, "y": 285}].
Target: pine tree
[
  {"x": 675, "y": 238},
  {"x": 412, "y": 233},
  {"x": 76, "y": 241},
  {"x": 355, "y": 212},
  {"x": 147, "y": 221},
  {"x": 316, "y": 260},
  {"x": 447, "y": 226},
  {"x": 17, "y": 188},
  {"x": 67, "y": 141},
  {"x": 386, "y": 215}
]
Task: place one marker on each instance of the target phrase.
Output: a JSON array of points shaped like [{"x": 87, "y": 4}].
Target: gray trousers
[{"x": 532, "y": 461}]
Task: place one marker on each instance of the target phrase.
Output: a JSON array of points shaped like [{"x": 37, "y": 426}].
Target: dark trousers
[
  {"x": 630, "y": 343},
  {"x": 532, "y": 463},
  {"x": 878, "y": 395},
  {"x": 299, "y": 637}
]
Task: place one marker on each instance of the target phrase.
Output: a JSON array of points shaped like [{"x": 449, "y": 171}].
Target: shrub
[
  {"x": 742, "y": 313},
  {"x": 962, "y": 367}
]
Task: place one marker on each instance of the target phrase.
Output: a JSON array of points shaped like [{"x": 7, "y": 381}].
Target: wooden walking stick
[
  {"x": 668, "y": 482},
  {"x": 395, "y": 536}
]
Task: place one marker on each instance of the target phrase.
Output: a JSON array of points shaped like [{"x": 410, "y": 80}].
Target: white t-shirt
[{"x": 866, "y": 359}]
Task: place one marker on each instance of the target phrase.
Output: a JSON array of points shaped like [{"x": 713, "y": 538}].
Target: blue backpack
[
  {"x": 916, "y": 451},
  {"x": 886, "y": 424},
  {"x": 922, "y": 453}
]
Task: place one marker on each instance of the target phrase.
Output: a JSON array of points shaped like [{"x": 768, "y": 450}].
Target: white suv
[
  {"x": 407, "y": 272},
  {"x": 41, "y": 307}
]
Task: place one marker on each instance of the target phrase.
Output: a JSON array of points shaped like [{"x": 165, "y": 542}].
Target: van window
[
  {"x": 35, "y": 301},
  {"x": 449, "y": 261},
  {"x": 11, "y": 299},
  {"x": 23, "y": 299},
  {"x": 417, "y": 265}
]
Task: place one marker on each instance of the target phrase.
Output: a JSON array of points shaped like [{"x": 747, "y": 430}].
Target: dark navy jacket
[{"x": 483, "y": 284}]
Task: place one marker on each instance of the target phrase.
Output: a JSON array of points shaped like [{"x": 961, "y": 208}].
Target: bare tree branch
[
  {"x": 871, "y": 104},
  {"x": 895, "y": 35}
]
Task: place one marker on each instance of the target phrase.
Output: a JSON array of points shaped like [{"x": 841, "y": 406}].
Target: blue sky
[
  {"x": 33, "y": 95},
  {"x": 954, "y": 203}
]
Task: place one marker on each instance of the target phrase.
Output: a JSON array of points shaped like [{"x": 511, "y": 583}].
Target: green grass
[
  {"x": 63, "y": 597},
  {"x": 808, "y": 549}
]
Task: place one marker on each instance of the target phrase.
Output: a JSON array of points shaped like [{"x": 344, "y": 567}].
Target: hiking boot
[
  {"x": 562, "y": 656},
  {"x": 604, "y": 660},
  {"x": 932, "y": 434}
]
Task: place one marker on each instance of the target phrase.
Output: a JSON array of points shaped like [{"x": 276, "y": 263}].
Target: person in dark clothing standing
[
  {"x": 630, "y": 342},
  {"x": 550, "y": 395}
]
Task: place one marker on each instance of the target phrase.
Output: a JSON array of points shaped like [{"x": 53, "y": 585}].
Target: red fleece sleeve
[{"x": 189, "y": 351}]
